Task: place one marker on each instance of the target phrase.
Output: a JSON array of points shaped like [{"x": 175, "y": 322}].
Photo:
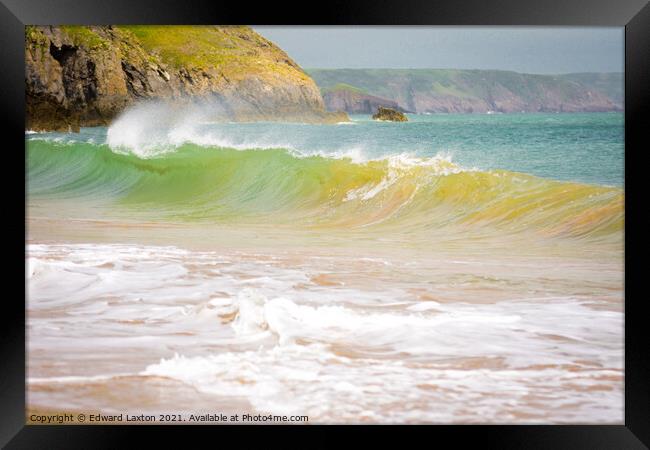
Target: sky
[{"x": 543, "y": 50}]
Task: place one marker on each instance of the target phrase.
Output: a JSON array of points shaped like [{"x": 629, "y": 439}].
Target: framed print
[{"x": 374, "y": 216}]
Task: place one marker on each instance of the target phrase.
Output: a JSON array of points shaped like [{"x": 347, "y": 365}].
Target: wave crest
[{"x": 281, "y": 187}]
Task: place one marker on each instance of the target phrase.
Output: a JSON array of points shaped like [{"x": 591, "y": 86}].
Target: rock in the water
[{"x": 389, "y": 114}]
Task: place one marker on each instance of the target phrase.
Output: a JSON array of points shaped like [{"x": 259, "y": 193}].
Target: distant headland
[{"x": 362, "y": 91}]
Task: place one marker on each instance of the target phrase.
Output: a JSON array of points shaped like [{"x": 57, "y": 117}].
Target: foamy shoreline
[{"x": 339, "y": 319}]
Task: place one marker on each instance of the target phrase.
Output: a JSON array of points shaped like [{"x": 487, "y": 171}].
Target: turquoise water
[
  {"x": 583, "y": 147},
  {"x": 586, "y": 148},
  {"x": 560, "y": 174}
]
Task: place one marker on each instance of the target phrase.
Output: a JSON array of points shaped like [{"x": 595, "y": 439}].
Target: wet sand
[{"x": 345, "y": 327}]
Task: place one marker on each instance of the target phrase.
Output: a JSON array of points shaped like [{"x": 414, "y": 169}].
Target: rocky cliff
[
  {"x": 467, "y": 91},
  {"x": 343, "y": 97},
  {"x": 84, "y": 76}
]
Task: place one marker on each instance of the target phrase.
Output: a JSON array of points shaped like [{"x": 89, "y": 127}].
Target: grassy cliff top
[{"x": 235, "y": 51}]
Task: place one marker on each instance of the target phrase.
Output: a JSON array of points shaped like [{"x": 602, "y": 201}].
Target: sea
[{"x": 455, "y": 268}]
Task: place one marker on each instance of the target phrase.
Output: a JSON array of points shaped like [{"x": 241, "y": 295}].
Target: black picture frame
[{"x": 634, "y": 15}]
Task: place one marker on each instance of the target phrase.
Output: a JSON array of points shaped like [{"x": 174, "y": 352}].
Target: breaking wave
[{"x": 211, "y": 181}]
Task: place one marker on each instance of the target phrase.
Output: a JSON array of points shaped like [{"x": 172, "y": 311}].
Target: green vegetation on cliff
[
  {"x": 84, "y": 36},
  {"x": 235, "y": 49},
  {"x": 344, "y": 87},
  {"x": 611, "y": 84}
]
